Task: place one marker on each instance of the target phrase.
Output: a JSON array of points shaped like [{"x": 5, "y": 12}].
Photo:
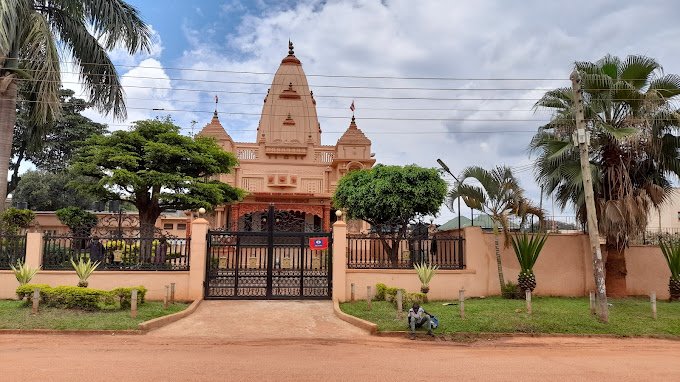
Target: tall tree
[
  {"x": 155, "y": 168},
  {"x": 51, "y": 147},
  {"x": 499, "y": 196},
  {"x": 30, "y": 33},
  {"x": 633, "y": 124},
  {"x": 390, "y": 198},
  {"x": 50, "y": 191}
]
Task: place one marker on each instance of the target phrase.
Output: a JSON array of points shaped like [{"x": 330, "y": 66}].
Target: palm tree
[
  {"x": 629, "y": 109},
  {"x": 499, "y": 197},
  {"x": 32, "y": 33}
]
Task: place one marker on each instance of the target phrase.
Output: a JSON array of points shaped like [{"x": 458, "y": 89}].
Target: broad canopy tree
[
  {"x": 50, "y": 148},
  {"x": 36, "y": 35},
  {"x": 631, "y": 109},
  {"x": 50, "y": 191},
  {"x": 390, "y": 198},
  {"x": 156, "y": 168}
]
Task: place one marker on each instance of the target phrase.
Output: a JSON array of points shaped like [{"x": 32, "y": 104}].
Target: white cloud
[{"x": 483, "y": 39}]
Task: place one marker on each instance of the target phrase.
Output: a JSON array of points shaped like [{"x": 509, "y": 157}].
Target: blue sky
[{"x": 467, "y": 46}]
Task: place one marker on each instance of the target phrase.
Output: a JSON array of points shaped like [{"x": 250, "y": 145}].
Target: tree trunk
[
  {"x": 147, "y": 228},
  {"x": 8, "y": 116},
  {"x": 498, "y": 258},
  {"x": 615, "y": 271}
]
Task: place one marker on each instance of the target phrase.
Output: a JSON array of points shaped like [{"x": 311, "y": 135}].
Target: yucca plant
[
  {"x": 671, "y": 251},
  {"x": 425, "y": 273},
  {"x": 84, "y": 269},
  {"x": 23, "y": 273},
  {"x": 527, "y": 248}
]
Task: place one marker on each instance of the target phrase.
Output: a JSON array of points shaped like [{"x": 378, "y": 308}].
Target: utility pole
[{"x": 582, "y": 139}]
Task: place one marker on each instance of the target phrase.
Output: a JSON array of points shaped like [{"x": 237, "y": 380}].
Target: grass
[
  {"x": 627, "y": 317},
  {"x": 17, "y": 315}
]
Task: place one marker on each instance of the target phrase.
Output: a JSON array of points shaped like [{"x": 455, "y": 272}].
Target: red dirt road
[{"x": 153, "y": 358}]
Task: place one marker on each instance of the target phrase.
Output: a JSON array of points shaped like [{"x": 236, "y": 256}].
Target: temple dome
[{"x": 289, "y": 111}]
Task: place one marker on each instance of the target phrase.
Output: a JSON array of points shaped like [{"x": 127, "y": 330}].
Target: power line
[
  {"x": 319, "y": 116},
  {"x": 309, "y": 85},
  {"x": 312, "y": 74}
]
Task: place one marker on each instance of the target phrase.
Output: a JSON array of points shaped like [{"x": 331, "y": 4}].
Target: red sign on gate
[{"x": 318, "y": 243}]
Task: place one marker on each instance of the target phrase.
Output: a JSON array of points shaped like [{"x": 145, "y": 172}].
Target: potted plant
[
  {"x": 84, "y": 269},
  {"x": 425, "y": 273},
  {"x": 671, "y": 251},
  {"x": 527, "y": 248}
]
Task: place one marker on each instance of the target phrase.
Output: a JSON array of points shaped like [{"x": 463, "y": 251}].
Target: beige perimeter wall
[{"x": 563, "y": 269}]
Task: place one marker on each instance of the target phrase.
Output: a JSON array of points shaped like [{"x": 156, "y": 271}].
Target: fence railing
[
  {"x": 124, "y": 254},
  {"x": 12, "y": 250},
  {"x": 369, "y": 252},
  {"x": 653, "y": 235},
  {"x": 550, "y": 223}
]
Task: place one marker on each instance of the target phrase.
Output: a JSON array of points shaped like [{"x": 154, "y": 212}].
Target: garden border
[
  {"x": 159, "y": 322},
  {"x": 368, "y": 326}
]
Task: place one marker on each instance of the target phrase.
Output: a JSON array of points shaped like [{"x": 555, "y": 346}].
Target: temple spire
[
  {"x": 215, "y": 113},
  {"x": 290, "y": 48}
]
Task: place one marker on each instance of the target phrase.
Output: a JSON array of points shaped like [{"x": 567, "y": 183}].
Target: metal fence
[
  {"x": 564, "y": 223},
  {"x": 369, "y": 252},
  {"x": 12, "y": 250},
  {"x": 124, "y": 254},
  {"x": 652, "y": 236}
]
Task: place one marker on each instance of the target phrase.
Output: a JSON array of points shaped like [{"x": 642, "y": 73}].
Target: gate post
[
  {"x": 339, "y": 261},
  {"x": 197, "y": 259}
]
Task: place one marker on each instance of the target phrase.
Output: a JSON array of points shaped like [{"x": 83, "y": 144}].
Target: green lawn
[
  {"x": 17, "y": 315},
  {"x": 627, "y": 317}
]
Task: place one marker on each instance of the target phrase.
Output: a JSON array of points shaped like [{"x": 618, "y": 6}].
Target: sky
[{"x": 458, "y": 79}]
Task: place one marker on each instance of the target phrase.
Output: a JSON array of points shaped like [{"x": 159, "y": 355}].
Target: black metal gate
[{"x": 270, "y": 260}]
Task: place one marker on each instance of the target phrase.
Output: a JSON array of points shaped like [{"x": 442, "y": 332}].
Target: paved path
[{"x": 258, "y": 320}]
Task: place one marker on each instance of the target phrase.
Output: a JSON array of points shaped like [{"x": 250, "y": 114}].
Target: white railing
[
  {"x": 246, "y": 154},
  {"x": 325, "y": 156}
]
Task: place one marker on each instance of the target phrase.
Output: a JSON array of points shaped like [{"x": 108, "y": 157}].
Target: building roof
[{"x": 483, "y": 221}]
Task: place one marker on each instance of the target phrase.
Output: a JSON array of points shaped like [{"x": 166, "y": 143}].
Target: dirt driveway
[
  {"x": 259, "y": 320},
  {"x": 153, "y": 358},
  {"x": 303, "y": 341}
]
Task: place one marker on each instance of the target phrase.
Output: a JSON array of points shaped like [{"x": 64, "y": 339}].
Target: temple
[{"x": 288, "y": 166}]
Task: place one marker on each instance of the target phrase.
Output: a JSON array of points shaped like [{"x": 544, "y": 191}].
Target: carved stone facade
[{"x": 288, "y": 166}]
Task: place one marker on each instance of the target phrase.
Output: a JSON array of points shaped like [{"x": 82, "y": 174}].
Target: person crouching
[{"x": 418, "y": 317}]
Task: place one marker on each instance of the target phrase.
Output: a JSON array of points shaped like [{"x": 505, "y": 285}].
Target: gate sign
[{"x": 317, "y": 243}]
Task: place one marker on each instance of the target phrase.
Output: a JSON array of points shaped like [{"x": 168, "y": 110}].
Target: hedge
[{"x": 72, "y": 297}]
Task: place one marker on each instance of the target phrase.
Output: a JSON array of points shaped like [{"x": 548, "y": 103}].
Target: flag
[
  {"x": 316, "y": 243},
  {"x": 351, "y": 107}
]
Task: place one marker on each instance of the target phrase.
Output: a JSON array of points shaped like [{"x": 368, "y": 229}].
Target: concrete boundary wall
[
  {"x": 188, "y": 284},
  {"x": 563, "y": 269}
]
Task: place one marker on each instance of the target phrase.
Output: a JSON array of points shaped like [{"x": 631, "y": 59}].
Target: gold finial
[{"x": 290, "y": 48}]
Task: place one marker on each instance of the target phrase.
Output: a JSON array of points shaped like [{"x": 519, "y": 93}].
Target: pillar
[
  {"x": 326, "y": 217},
  {"x": 34, "y": 246},
  {"x": 199, "y": 248},
  {"x": 339, "y": 261}
]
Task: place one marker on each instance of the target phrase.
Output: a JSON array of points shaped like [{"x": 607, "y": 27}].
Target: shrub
[
  {"x": 511, "y": 291},
  {"x": 411, "y": 298},
  {"x": 380, "y": 291},
  {"x": 14, "y": 219},
  {"x": 26, "y": 290},
  {"x": 125, "y": 295},
  {"x": 391, "y": 293},
  {"x": 71, "y": 297},
  {"x": 84, "y": 270},
  {"x": 79, "y": 221}
]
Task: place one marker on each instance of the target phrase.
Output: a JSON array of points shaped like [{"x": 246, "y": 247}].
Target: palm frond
[{"x": 97, "y": 72}]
